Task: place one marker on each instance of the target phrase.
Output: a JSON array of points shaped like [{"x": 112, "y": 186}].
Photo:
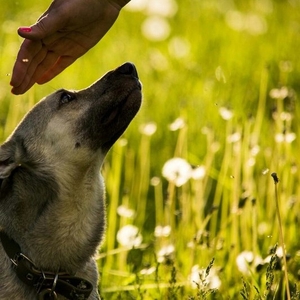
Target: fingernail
[{"x": 25, "y": 29}]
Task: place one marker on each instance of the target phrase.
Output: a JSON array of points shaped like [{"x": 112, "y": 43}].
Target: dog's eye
[{"x": 66, "y": 97}]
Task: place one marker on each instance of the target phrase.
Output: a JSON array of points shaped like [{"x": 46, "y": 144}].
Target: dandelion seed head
[
  {"x": 198, "y": 173},
  {"x": 177, "y": 170},
  {"x": 281, "y": 93},
  {"x": 148, "y": 271},
  {"x": 165, "y": 253},
  {"x": 255, "y": 24},
  {"x": 279, "y": 138},
  {"x": 156, "y": 28},
  {"x": 165, "y": 8},
  {"x": 155, "y": 181},
  {"x": 244, "y": 261},
  {"x": 177, "y": 124},
  {"x": 254, "y": 150},
  {"x": 162, "y": 231},
  {"x": 233, "y": 138},
  {"x": 251, "y": 162},
  {"x": 124, "y": 211},
  {"x": 279, "y": 252},
  {"x": 290, "y": 137},
  {"x": 148, "y": 129},
  {"x": 225, "y": 113},
  {"x": 129, "y": 236},
  {"x": 123, "y": 142},
  {"x": 285, "y": 116},
  {"x": 285, "y": 137}
]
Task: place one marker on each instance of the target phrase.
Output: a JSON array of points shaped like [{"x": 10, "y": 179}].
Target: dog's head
[{"x": 73, "y": 127}]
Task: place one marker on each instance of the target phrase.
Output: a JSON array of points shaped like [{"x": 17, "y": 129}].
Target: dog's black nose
[{"x": 129, "y": 69}]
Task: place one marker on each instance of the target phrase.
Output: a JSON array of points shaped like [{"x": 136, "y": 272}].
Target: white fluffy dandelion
[
  {"x": 162, "y": 231},
  {"x": 177, "y": 170},
  {"x": 165, "y": 253},
  {"x": 281, "y": 93},
  {"x": 245, "y": 259},
  {"x": 124, "y": 211},
  {"x": 148, "y": 271},
  {"x": 148, "y": 128},
  {"x": 177, "y": 124},
  {"x": 156, "y": 28},
  {"x": 198, "y": 172},
  {"x": 234, "y": 137},
  {"x": 225, "y": 113},
  {"x": 165, "y": 8},
  {"x": 129, "y": 236},
  {"x": 285, "y": 137}
]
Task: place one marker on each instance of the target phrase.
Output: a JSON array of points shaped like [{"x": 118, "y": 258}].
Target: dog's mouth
[
  {"x": 123, "y": 106},
  {"x": 117, "y": 102},
  {"x": 119, "y": 107},
  {"x": 119, "y": 117}
]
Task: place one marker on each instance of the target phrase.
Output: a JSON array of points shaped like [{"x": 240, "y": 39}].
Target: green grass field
[{"x": 220, "y": 85}]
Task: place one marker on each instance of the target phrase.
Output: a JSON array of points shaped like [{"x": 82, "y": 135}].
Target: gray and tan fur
[{"x": 52, "y": 194}]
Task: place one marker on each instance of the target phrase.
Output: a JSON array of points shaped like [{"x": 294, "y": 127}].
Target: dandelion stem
[
  {"x": 276, "y": 180},
  {"x": 261, "y": 104}
]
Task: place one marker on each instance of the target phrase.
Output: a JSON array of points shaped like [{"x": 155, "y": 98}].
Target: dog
[{"x": 52, "y": 206}]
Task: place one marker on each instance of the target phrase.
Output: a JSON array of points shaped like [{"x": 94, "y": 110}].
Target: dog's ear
[{"x": 7, "y": 159}]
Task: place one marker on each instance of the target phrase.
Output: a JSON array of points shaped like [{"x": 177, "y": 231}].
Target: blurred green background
[{"x": 228, "y": 72}]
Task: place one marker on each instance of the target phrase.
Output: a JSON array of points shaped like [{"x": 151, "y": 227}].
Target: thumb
[{"x": 44, "y": 27}]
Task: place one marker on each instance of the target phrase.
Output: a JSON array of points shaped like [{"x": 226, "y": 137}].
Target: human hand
[{"x": 67, "y": 30}]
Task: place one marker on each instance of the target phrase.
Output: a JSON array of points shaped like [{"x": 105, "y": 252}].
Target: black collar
[{"x": 47, "y": 284}]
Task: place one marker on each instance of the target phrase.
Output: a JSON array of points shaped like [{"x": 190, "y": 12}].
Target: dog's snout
[{"x": 128, "y": 69}]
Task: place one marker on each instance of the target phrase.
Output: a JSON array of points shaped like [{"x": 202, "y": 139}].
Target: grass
[{"x": 229, "y": 70}]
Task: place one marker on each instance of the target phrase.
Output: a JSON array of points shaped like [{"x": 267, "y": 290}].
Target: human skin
[{"x": 64, "y": 32}]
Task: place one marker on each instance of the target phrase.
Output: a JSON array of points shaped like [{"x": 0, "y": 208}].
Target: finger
[
  {"x": 47, "y": 25},
  {"x": 25, "y": 57},
  {"x": 29, "y": 80},
  {"x": 62, "y": 63},
  {"x": 45, "y": 66}
]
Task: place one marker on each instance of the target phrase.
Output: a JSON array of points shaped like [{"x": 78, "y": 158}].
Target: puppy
[{"x": 52, "y": 209}]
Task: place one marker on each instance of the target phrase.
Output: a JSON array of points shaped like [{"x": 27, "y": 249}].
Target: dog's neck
[
  {"x": 44, "y": 283},
  {"x": 66, "y": 227}
]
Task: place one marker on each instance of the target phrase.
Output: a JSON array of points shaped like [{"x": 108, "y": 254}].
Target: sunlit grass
[{"x": 220, "y": 102}]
